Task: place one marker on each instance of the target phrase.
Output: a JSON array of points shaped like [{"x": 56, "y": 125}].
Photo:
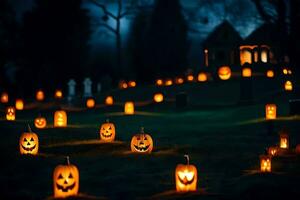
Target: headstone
[
  {"x": 71, "y": 89},
  {"x": 87, "y": 87},
  {"x": 99, "y": 87},
  {"x": 181, "y": 100}
]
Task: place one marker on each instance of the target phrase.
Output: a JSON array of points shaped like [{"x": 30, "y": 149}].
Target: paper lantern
[
  {"x": 186, "y": 177},
  {"x": 109, "y": 100},
  {"x": 58, "y": 94},
  {"x": 10, "y": 113},
  {"x": 190, "y": 78},
  {"x": 288, "y": 86},
  {"x": 141, "y": 143},
  {"x": 40, "y": 122},
  {"x": 4, "y": 97},
  {"x": 246, "y": 72},
  {"x": 65, "y": 180},
  {"x": 29, "y": 143},
  {"x": 271, "y": 111},
  {"x": 168, "y": 82},
  {"x": 107, "y": 131},
  {"x": 90, "y": 103},
  {"x": 159, "y": 82},
  {"x": 265, "y": 163},
  {"x": 283, "y": 140},
  {"x": 270, "y": 73},
  {"x": 19, "y": 104},
  {"x": 224, "y": 73},
  {"x": 179, "y": 80},
  {"x": 129, "y": 108},
  {"x": 202, "y": 77},
  {"x": 158, "y": 97},
  {"x": 60, "y": 118},
  {"x": 272, "y": 151},
  {"x": 40, "y": 96},
  {"x": 131, "y": 83}
]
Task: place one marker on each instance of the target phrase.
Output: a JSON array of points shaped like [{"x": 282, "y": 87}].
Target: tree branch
[
  {"x": 265, "y": 16},
  {"x": 108, "y": 27},
  {"x": 104, "y": 9}
]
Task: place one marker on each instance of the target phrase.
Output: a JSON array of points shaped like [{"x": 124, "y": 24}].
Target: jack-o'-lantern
[
  {"x": 107, "y": 132},
  {"x": 65, "y": 180},
  {"x": 131, "y": 83},
  {"x": 179, "y": 80},
  {"x": 202, "y": 77},
  {"x": 270, "y": 73},
  {"x": 246, "y": 72},
  {"x": 40, "y": 96},
  {"x": 58, "y": 94},
  {"x": 129, "y": 108},
  {"x": 90, "y": 103},
  {"x": 265, "y": 163},
  {"x": 122, "y": 84},
  {"x": 283, "y": 140},
  {"x": 10, "y": 113},
  {"x": 109, "y": 100},
  {"x": 289, "y": 72},
  {"x": 224, "y": 73},
  {"x": 29, "y": 143},
  {"x": 272, "y": 151},
  {"x": 168, "y": 82},
  {"x": 186, "y": 177},
  {"x": 271, "y": 111},
  {"x": 141, "y": 143},
  {"x": 285, "y": 71},
  {"x": 4, "y": 97},
  {"x": 40, "y": 122},
  {"x": 159, "y": 82},
  {"x": 60, "y": 118},
  {"x": 288, "y": 86},
  {"x": 158, "y": 97},
  {"x": 19, "y": 104},
  {"x": 190, "y": 78}
]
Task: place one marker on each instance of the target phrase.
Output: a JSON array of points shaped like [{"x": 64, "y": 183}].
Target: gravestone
[
  {"x": 87, "y": 87},
  {"x": 71, "y": 89}
]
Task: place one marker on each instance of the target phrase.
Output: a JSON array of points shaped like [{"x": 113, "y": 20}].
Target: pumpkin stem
[
  {"x": 107, "y": 120},
  {"x": 187, "y": 158},
  {"x": 142, "y": 129},
  {"x": 68, "y": 160},
  {"x": 29, "y": 129}
]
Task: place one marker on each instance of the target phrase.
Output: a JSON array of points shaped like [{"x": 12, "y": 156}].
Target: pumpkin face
[
  {"x": 40, "y": 122},
  {"x": 288, "y": 86},
  {"x": 186, "y": 177},
  {"x": 270, "y": 111},
  {"x": 19, "y": 104},
  {"x": 107, "y": 132},
  {"x": 10, "y": 113},
  {"x": 284, "y": 141},
  {"x": 190, "y": 78},
  {"x": 58, "y": 94},
  {"x": 270, "y": 73},
  {"x": 109, "y": 100},
  {"x": 129, "y": 108},
  {"x": 90, "y": 103},
  {"x": 224, "y": 72},
  {"x": 29, "y": 143},
  {"x": 159, "y": 82},
  {"x": 202, "y": 77},
  {"x": 40, "y": 96},
  {"x": 246, "y": 72},
  {"x": 131, "y": 83},
  {"x": 158, "y": 97},
  {"x": 65, "y": 181},
  {"x": 265, "y": 163},
  {"x": 179, "y": 80},
  {"x": 272, "y": 151},
  {"x": 60, "y": 118},
  {"x": 4, "y": 97},
  {"x": 285, "y": 71},
  {"x": 123, "y": 84},
  {"x": 168, "y": 82},
  {"x": 141, "y": 143}
]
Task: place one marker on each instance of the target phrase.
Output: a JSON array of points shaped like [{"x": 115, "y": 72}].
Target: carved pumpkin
[
  {"x": 159, "y": 82},
  {"x": 90, "y": 103},
  {"x": 65, "y": 180},
  {"x": 122, "y": 84},
  {"x": 158, "y": 97},
  {"x": 270, "y": 73},
  {"x": 19, "y": 104},
  {"x": 190, "y": 78},
  {"x": 141, "y": 143},
  {"x": 283, "y": 140},
  {"x": 60, "y": 118},
  {"x": 273, "y": 151},
  {"x": 289, "y": 71},
  {"x": 40, "y": 96},
  {"x": 202, "y": 77},
  {"x": 246, "y": 72},
  {"x": 109, "y": 100},
  {"x": 224, "y": 73},
  {"x": 129, "y": 108},
  {"x": 58, "y": 94},
  {"x": 265, "y": 163},
  {"x": 131, "y": 83},
  {"x": 271, "y": 111},
  {"x": 29, "y": 143},
  {"x": 179, "y": 80},
  {"x": 107, "y": 132},
  {"x": 186, "y": 177},
  {"x": 285, "y": 71},
  {"x": 288, "y": 86},
  {"x": 4, "y": 97},
  {"x": 40, "y": 122},
  {"x": 10, "y": 113},
  {"x": 168, "y": 82}
]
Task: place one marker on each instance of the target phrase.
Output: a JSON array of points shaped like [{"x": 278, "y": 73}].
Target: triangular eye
[
  {"x": 109, "y": 128},
  {"x": 145, "y": 138},
  {"x": 60, "y": 177},
  {"x": 138, "y": 138},
  {"x": 103, "y": 128},
  {"x": 70, "y": 176},
  {"x": 25, "y": 140},
  {"x": 31, "y": 139}
]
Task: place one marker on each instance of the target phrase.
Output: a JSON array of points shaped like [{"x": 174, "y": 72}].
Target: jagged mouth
[
  {"x": 185, "y": 181},
  {"x": 65, "y": 189},
  {"x": 141, "y": 148},
  {"x": 29, "y": 148},
  {"x": 106, "y": 135}
]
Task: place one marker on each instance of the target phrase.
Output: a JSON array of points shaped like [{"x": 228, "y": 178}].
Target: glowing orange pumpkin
[
  {"x": 58, "y": 94},
  {"x": 65, "y": 180},
  {"x": 141, "y": 143},
  {"x": 224, "y": 73},
  {"x": 60, "y": 118},
  {"x": 179, "y": 80},
  {"x": 129, "y": 108},
  {"x": 168, "y": 82},
  {"x": 109, "y": 100},
  {"x": 186, "y": 177},
  {"x": 271, "y": 111},
  {"x": 131, "y": 83},
  {"x": 272, "y": 151},
  {"x": 159, "y": 82},
  {"x": 202, "y": 77},
  {"x": 158, "y": 97},
  {"x": 270, "y": 74},
  {"x": 190, "y": 78},
  {"x": 265, "y": 163},
  {"x": 19, "y": 104},
  {"x": 107, "y": 132},
  {"x": 288, "y": 86},
  {"x": 4, "y": 97},
  {"x": 285, "y": 71},
  {"x": 90, "y": 103},
  {"x": 29, "y": 143},
  {"x": 40, "y": 96},
  {"x": 283, "y": 140},
  {"x": 10, "y": 113},
  {"x": 246, "y": 72},
  {"x": 40, "y": 122}
]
